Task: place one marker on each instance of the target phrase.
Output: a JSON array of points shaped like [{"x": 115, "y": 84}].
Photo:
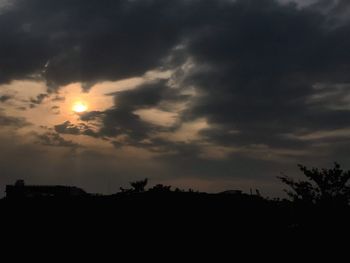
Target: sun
[{"x": 79, "y": 107}]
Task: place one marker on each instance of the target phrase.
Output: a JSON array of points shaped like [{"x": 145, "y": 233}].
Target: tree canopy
[{"x": 321, "y": 186}]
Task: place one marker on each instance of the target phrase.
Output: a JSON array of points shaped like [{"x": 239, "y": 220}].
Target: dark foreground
[{"x": 173, "y": 214}]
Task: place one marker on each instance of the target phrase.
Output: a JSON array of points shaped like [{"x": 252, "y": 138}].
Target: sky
[{"x": 203, "y": 94}]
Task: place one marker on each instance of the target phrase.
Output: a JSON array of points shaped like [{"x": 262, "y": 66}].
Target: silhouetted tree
[
  {"x": 257, "y": 192},
  {"x": 178, "y": 190},
  {"x": 322, "y": 186},
  {"x": 139, "y": 186}
]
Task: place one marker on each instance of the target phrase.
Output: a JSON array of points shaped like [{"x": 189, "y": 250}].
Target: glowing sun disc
[{"x": 79, "y": 107}]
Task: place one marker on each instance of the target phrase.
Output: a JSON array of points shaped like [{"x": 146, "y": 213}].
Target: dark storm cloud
[
  {"x": 336, "y": 9},
  {"x": 262, "y": 62},
  {"x": 39, "y": 99},
  {"x": 75, "y": 129},
  {"x": 144, "y": 96},
  {"x": 5, "y": 98},
  {"x": 13, "y": 122},
  {"x": 88, "y": 41},
  {"x": 114, "y": 122},
  {"x": 54, "y": 139},
  {"x": 147, "y": 96},
  {"x": 256, "y": 62},
  {"x": 91, "y": 115},
  {"x": 67, "y": 128},
  {"x": 58, "y": 98},
  {"x": 121, "y": 119}
]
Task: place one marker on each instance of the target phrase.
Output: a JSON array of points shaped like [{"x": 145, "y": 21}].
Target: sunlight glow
[{"x": 79, "y": 107}]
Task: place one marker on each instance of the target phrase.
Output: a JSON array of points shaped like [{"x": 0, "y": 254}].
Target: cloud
[
  {"x": 5, "y": 98},
  {"x": 144, "y": 96},
  {"x": 39, "y": 99},
  {"x": 254, "y": 66},
  {"x": 12, "y": 122},
  {"x": 122, "y": 119},
  {"x": 54, "y": 139},
  {"x": 68, "y": 42},
  {"x": 67, "y": 128},
  {"x": 255, "y": 69},
  {"x": 75, "y": 129},
  {"x": 58, "y": 98}
]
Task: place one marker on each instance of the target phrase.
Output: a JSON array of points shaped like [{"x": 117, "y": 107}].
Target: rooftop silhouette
[{"x": 21, "y": 190}]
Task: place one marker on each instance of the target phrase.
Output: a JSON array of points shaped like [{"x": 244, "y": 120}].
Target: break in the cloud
[{"x": 211, "y": 90}]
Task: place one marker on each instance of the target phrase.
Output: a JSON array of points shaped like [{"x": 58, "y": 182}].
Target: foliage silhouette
[
  {"x": 324, "y": 186},
  {"x": 231, "y": 210},
  {"x": 139, "y": 186},
  {"x": 159, "y": 188}
]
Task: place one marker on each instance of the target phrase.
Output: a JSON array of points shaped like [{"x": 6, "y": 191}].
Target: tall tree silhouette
[{"x": 323, "y": 185}]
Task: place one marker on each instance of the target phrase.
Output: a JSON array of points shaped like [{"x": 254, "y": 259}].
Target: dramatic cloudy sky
[{"x": 207, "y": 94}]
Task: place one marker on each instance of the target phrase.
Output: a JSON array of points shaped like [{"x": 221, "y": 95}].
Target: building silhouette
[{"x": 21, "y": 190}]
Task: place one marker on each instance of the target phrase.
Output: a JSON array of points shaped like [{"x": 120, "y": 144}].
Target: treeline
[
  {"x": 320, "y": 201},
  {"x": 320, "y": 187}
]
